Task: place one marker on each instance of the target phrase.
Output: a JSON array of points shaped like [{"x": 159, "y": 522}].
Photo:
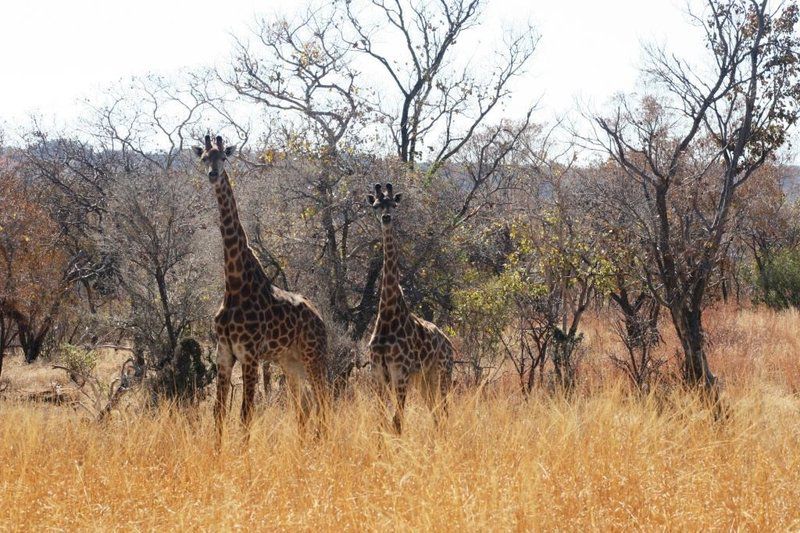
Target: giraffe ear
[
  {"x": 230, "y": 150},
  {"x": 198, "y": 150},
  {"x": 370, "y": 199},
  {"x": 397, "y": 197}
]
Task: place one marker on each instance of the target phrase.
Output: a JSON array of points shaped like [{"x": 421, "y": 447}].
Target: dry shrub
[{"x": 754, "y": 346}]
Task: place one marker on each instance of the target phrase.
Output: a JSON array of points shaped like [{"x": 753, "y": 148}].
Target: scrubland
[{"x": 605, "y": 458}]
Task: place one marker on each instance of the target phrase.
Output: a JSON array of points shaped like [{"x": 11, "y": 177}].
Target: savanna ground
[{"x": 604, "y": 459}]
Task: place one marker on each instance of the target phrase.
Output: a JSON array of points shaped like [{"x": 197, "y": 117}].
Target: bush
[
  {"x": 184, "y": 379},
  {"x": 77, "y": 360},
  {"x": 779, "y": 279}
]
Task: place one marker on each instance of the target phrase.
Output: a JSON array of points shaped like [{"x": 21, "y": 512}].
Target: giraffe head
[
  {"x": 383, "y": 202},
  {"x": 214, "y": 156}
]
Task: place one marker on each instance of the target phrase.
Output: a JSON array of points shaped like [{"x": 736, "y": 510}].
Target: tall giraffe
[
  {"x": 404, "y": 346},
  {"x": 257, "y": 320}
]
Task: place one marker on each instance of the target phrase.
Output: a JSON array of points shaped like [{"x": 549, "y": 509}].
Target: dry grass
[
  {"x": 604, "y": 460},
  {"x": 26, "y": 379}
]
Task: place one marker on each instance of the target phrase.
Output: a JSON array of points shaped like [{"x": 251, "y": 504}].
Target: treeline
[{"x": 671, "y": 198}]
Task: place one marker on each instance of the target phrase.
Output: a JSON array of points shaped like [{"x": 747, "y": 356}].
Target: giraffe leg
[
  {"x": 432, "y": 392},
  {"x": 399, "y": 389},
  {"x": 381, "y": 383},
  {"x": 249, "y": 384},
  {"x": 445, "y": 383},
  {"x": 296, "y": 393},
  {"x": 225, "y": 362},
  {"x": 266, "y": 372},
  {"x": 319, "y": 388}
]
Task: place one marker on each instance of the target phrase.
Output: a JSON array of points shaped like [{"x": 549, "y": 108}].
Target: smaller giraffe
[
  {"x": 404, "y": 346},
  {"x": 257, "y": 320}
]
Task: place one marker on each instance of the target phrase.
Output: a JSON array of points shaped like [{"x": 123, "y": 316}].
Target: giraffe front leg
[
  {"x": 399, "y": 413},
  {"x": 295, "y": 393},
  {"x": 225, "y": 362},
  {"x": 266, "y": 371},
  {"x": 381, "y": 383},
  {"x": 249, "y": 384},
  {"x": 399, "y": 389}
]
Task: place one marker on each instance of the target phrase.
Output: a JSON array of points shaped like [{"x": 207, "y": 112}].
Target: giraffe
[
  {"x": 257, "y": 320},
  {"x": 403, "y": 346}
]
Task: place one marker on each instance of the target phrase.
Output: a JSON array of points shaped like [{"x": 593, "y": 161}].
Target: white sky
[{"x": 58, "y": 51}]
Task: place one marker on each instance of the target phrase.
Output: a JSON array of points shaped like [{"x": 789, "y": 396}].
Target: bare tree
[
  {"x": 439, "y": 105},
  {"x": 148, "y": 122},
  {"x": 637, "y": 328},
  {"x": 152, "y": 230},
  {"x": 301, "y": 67},
  {"x": 535, "y": 328},
  {"x": 691, "y": 146}
]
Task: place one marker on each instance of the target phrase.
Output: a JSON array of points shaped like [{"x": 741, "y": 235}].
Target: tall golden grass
[{"x": 601, "y": 460}]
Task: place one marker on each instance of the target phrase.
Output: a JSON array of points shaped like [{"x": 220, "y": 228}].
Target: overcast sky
[{"x": 58, "y": 51}]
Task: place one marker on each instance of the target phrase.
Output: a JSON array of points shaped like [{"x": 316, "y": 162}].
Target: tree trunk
[
  {"x": 7, "y": 333},
  {"x": 723, "y": 279},
  {"x": 32, "y": 341},
  {"x": 4, "y": 338},
  {"x": 163, "y": 295},
  {"x": 333, "y": 262},
  {"x": 521, "y": 371},
  {"x": 688, "y": 326},
  {"x": 368, "y": 305},
  {"x": 531, "y": 377}
]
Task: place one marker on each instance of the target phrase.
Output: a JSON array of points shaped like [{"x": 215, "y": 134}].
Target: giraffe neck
[
  {"x": 239, "y": 258},
  {"x": 392, "y": 302}
]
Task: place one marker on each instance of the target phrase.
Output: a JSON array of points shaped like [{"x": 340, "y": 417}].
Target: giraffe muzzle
[
  {"x": 386, "y": 218},
  {"x": 213, "y": 174}
]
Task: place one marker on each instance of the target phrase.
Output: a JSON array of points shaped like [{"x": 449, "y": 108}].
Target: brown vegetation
[{"x": 604, "y": 459}]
